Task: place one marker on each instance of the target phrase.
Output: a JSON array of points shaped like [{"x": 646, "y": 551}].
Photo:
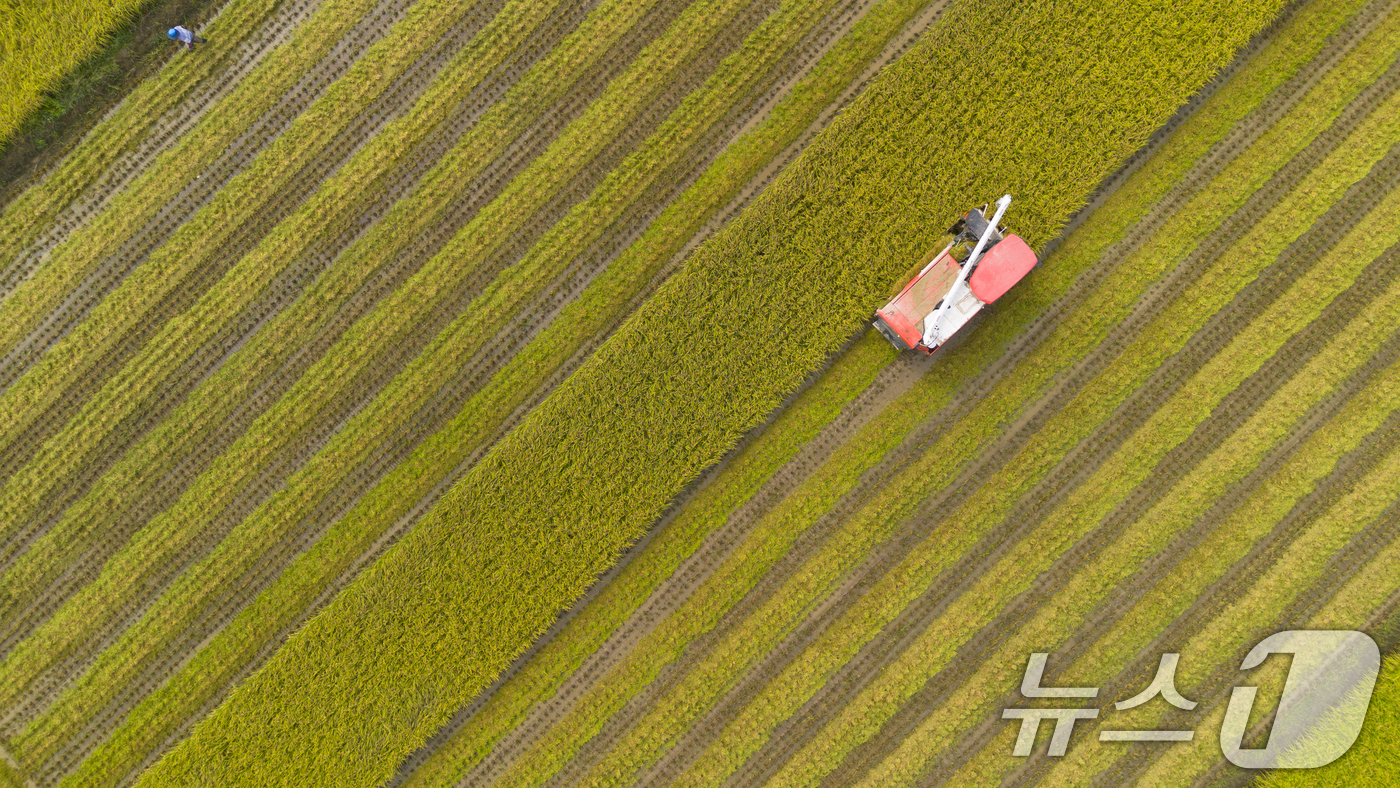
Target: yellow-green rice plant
[{"x": 526, "y": 529}]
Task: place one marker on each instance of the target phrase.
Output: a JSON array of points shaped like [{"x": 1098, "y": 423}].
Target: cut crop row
[
  {"x": 217, "y": 397},
  {"x": 734, "y": 310},
  {"x": 1222, "y": 521},
  {"x": 576, "y": 726},
  {"x": 348, "y": 447},
  {"x": 26, "y": 216},
  {"x": 1107, "y": 565},
  {"x": 566, "y": 342},
  {"x": 629, "y": 590}
]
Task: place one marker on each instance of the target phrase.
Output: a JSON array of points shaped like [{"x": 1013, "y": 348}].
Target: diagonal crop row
[
  {"x": 622, "y": 596},
  {"x": 1233, "y": 458},
  {"x": 1225, "y": 638},
  {"x": 237, "y": 203},
  {"x": 1367, "y": 599},
  {"x": 592, "y": 310},
  {"x": 274, "y": 294},
  {"x": 644, "y": 168},
  {"x": 595, "y": 46},
  {"x": 572, "y": 726},
  {"x": 349, "y": 446},
  {"x": 441, "y": 579},
  {"x": 157, "y": 454},
  {"x": 990, "y": 504},
  {"x": 1211, "y": 537},
  {"x": 1171, "y": 611},
  {"x": 839, "y": 687},
  {"x": 843, "y": 548},
  {"x": 27, "y": 305},
  {"x": 241, "y": 374},
  {"x": 826, "y": 755},
  {"x": 25, "y": 217}
]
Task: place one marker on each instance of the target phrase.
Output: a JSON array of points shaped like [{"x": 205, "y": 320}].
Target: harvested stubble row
[
  {"x": 654, "y": 650},
  {"x": 1111, "y": 564},
  {"x": 1076, "y": 330},
  {"x": 246, "y": 370},
  {"x": 425, "y": 376},
  {"x": 623, "y": 595},
  {"x": 993, "y": 502},
  {"x": 25, "y": 307},
  {"x": 434, "y": 597},
  {"x": 25, "y": 217}
]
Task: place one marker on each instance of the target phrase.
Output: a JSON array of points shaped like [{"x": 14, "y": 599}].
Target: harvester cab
[{"x": 947, "y": 293}]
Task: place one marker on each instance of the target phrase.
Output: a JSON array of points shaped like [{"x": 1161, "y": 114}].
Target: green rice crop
[
  {"x": 1372, "y": 760},
  {"x": 26, "y": 216},
  {"x": 40, "y": 42},
  {"x": 400, "y": 399},
  {"x": 821, "y": 243},
  {"x": 216, "y": 398},
  {"x": 71, "y": 261}
]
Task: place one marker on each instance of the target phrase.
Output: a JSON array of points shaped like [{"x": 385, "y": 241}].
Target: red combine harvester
[{"x": 946, "y": 293}]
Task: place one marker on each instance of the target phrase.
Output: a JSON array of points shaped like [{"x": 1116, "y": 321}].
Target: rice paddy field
[{"x": 482, "y": 393}]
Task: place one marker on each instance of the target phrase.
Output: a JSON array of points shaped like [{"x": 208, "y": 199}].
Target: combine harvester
[{"x": 946, "y": 293}]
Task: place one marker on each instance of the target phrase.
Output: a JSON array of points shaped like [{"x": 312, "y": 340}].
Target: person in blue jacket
[{"x": 180, "y": 35}]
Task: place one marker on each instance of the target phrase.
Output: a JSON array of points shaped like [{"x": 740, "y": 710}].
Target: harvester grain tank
[{"x": 945, "y": 295}]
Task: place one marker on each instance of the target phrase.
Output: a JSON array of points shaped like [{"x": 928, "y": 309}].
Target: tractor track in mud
[
  {"x": 737, "y": 696},
  {"x": 162, "y": 135},
  {"x": 1210, "y": 163}
]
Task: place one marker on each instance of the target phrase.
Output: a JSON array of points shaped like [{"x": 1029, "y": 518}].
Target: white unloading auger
[{"x": 931, "y": 326}]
